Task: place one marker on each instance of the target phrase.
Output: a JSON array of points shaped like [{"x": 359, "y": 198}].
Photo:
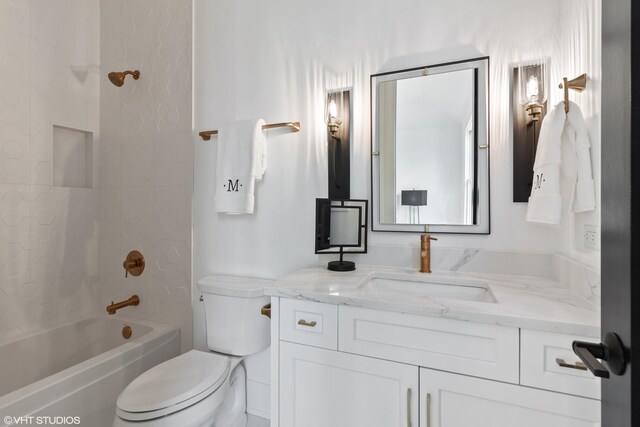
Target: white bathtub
[{"x": 78, "y": 369}]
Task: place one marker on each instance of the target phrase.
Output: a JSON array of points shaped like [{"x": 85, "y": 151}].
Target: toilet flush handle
[{"x": 266, "y": 310}]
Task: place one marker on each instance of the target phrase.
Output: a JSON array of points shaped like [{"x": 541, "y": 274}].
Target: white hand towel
[
  {"x": 241, "y": 160},
  {"x": 545, "y": 202}
]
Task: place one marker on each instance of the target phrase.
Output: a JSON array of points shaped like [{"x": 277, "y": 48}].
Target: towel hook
[{"x": 578, "y": 84}]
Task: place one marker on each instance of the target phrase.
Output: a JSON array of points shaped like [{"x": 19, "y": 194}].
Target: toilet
[{"x": 205, "y": 388}]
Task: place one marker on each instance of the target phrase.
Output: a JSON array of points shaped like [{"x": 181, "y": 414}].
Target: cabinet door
[
  {"x": 451, "y": 400},
  {"x": 325, "y": 388}
]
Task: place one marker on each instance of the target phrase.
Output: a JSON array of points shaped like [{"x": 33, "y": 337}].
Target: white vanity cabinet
[
  {"x": 342, "y": 366},
  {"x": 452, "y": 400},
  {"x": 322, "y": 388}
]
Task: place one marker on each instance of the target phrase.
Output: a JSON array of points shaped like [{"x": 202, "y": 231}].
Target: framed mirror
[
  {"x": 341, "y": 228},
  {"x": 430, "y": 149}
]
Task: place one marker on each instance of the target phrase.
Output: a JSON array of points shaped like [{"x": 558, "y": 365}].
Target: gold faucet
[
  {"x": 425, "y": 253},
  {"x": 112, "y": 308}
]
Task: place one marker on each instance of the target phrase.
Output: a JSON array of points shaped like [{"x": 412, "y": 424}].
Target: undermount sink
[{"x": 429, "y": 286}]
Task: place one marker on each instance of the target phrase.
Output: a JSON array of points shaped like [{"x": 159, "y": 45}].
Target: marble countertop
[{"x": 524, "y": 302}]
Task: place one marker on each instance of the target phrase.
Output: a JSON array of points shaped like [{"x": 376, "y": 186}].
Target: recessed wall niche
[{"x": 72, "y": 157}]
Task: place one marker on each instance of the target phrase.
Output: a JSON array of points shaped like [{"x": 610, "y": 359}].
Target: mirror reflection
[{"x": 435, "y": 153}]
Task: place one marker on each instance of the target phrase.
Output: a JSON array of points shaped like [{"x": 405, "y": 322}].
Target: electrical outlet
[{"x": 591, "y": 238}]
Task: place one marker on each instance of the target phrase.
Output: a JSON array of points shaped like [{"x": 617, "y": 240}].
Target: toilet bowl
[{"x": 204, "y": 388}]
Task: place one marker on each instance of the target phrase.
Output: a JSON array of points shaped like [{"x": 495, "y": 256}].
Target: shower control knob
[{"x": 134, "y": 264}]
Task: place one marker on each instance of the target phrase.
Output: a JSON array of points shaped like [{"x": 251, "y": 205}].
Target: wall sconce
[
  {"x": 337, "y": 115},
  {"x": 532, "y": 83},
  {"x": 530, "y": 92},
  {"x": 331, "y": 113}
]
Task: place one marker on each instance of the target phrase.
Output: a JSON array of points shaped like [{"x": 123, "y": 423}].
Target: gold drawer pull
[
  {"x": 578, "y": 365},
  {"x": 311, "y": 324}
]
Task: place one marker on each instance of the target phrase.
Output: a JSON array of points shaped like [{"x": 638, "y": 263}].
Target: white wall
[
  {"x": 275, "y": 60},
  {"x": 49, "y": 56},
  {"x": 146, "y": 158},
  {"x": 580, "y": 51}
]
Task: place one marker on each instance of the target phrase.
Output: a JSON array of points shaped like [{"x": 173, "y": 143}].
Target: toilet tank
[{"x": 232, "y": 307}]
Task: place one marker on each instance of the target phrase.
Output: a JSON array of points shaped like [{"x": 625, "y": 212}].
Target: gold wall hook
[
  {"x": 134, "y": 264},
  {"x": 578, "y": 84}
]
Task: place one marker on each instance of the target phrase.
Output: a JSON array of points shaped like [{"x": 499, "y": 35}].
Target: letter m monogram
[{"x": 233, "y": 186}]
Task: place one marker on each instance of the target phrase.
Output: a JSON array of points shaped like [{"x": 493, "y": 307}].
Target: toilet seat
[{"x": 173, "y": 385}]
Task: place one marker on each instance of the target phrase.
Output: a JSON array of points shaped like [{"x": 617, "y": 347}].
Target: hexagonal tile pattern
[
  {"x": 146, "y": 159},
  {"x": 61, "y": 249},
  {"x": 48, "y": 235}
]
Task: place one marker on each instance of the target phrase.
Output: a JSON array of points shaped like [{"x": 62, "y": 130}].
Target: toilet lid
[{"x": 175, "y": 381}]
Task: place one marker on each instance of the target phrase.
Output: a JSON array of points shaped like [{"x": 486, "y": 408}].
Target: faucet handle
[
  {"x": 134, "y": 264},
  {"x": 426, "y": 237}
]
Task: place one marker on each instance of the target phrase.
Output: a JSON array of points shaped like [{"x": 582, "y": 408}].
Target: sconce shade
[
  {"x": 333, "y": 109},
  {"x": 414, "y": 197},
  {"x": 331, "y": 113},
  {"x": 533, "y": 83}
]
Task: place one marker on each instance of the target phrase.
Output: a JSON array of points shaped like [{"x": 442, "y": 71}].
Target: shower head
[{"x": 117, "y": 77}]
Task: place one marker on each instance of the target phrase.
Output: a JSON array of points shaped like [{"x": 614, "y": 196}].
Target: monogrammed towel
[
  {"x": 545, "y": 202},
  {"x": 241, "y": 160}
]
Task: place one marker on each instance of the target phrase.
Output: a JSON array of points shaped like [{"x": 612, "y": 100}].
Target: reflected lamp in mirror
[
  {"x": 414, "y": 199},
  {"x": 430, "y": 130},
  {"x": 529, "y": 91},
  {"x": 341, "y": 228},
  {"x": 532, "y": 84}
]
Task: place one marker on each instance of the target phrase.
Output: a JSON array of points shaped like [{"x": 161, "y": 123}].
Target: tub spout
[{"x": 113, "y": 307}]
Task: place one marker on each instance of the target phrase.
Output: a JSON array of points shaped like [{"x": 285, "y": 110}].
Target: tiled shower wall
[
  {"x": 146, "y": 158},
  {"x": 49, "y": 56}
]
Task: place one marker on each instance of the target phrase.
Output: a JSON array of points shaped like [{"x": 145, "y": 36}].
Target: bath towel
[
  {"x": 241, "y": 160},
  {"x": 584, "y": 193},
  {"x": 545, "y": 202}
]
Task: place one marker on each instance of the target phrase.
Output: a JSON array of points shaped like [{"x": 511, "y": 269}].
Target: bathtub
[{"x": 78, "y": 369}]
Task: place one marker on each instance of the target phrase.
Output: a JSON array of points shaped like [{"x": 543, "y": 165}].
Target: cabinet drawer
[
  {"x": 309, "y": 323},
  {"x": 487, "y": 351},
  {"x": 543, "y": 353}
]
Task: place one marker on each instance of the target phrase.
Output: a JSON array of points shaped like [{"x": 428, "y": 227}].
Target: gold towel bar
[{"x": 295, "y": 127}]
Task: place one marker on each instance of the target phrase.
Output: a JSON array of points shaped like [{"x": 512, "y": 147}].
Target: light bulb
[
  {"x": 533, "y": 89},
  {"x": 333, "y": 109}
]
